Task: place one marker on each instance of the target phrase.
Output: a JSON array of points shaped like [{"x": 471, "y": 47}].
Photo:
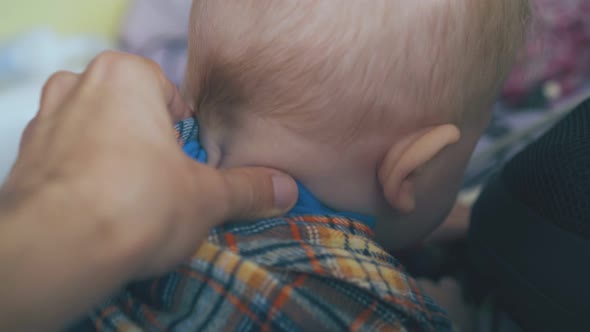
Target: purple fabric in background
[
  {"x": 158, "y": 30},
  {"x": 556, "y": 61}
]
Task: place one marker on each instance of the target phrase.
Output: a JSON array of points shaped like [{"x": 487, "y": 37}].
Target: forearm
[{"x": 49, "y": 276}]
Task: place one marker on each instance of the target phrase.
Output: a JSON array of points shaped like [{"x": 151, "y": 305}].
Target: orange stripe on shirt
[
  {"x": 308, "y": 249},
  {"x": 231, "y": 242},
  {"x": 281, "y": 299},
  {"x": 362, "y": 318},
  {"x": 224, "y": 292}
]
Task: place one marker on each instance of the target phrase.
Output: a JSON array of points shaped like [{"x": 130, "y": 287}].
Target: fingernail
[{"x": 285, "y": 191}]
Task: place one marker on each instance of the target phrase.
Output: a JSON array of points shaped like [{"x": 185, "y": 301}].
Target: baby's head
[{"x": 374, "y": 106}]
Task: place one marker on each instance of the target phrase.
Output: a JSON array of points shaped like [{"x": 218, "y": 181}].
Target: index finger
[
  {"x": 128, "y": 75},
  {"x": 177, "y": 107}
]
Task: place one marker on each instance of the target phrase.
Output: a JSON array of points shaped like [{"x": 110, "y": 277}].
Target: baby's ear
[{"x": 396, "y": 173}]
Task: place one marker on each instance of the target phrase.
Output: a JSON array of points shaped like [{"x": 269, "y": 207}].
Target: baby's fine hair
[{"x": 380, "y": 61}]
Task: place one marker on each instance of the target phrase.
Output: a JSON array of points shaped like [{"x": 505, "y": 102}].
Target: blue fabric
[
  {"x": 307, "y": 204},
  {"x": 195, "y": 151}
]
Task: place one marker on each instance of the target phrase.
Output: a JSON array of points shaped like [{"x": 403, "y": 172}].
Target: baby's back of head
[
  {"x": 326, "y": 90},
  {"x": 375, "y": 61}
]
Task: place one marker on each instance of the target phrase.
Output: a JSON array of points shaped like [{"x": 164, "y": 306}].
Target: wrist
[{"x": 52, "y": 263}]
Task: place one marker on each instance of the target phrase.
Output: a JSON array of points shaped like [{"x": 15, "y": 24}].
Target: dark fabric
[
  {"x": 528, "y": 240},
  {"x": 552, "y": 176}
]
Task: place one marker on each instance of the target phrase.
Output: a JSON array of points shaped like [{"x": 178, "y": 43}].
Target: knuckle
[
  {"x": 257, "y": 200},
  {"x": 245, "y": 199},
  {"x": 115, "y": 65},
  {"x": 57, "y": 82},
  {"x": 109, "y": 63},
  {"x": 227, "y": 201},
  {"x": 107, "y": 60},
  {"x": 214, "y": 201}
]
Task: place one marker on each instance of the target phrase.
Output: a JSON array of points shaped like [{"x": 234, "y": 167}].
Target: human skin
[{"x": 102, "y": 195}]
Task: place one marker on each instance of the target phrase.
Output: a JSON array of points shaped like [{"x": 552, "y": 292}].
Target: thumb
[{"x": 256, "y": 193}]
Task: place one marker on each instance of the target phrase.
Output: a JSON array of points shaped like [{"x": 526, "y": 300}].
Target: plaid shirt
[{"x": 295, "y": 273}]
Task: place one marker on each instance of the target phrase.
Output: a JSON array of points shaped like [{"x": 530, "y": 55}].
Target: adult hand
[{"x": 101, "y": 194}]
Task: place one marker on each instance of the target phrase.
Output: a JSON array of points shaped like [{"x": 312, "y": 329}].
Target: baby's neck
[
  {"x": 342, "y": 179},
  {"x": 307, "y": 204}
]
